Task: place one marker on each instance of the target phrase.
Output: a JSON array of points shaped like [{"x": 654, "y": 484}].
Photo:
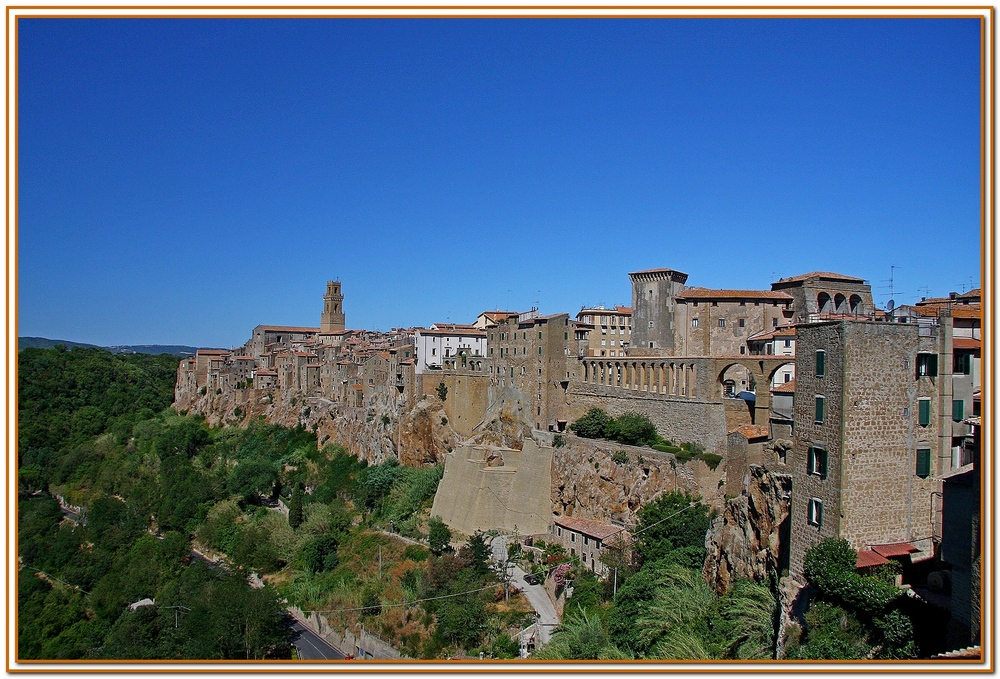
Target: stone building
[
  {"x": 586, "y": 539},
  {"x": 533, "y": 358},
  {"x": 874, "y": 431},
  {"x": 820, "y": 294},
  {"x": 654, "y": 292},
  {"x": 610, "y": 329},
  {"x": 332, "y": 319}
]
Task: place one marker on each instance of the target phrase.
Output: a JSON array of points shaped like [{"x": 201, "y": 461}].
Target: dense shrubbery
[
  {"x": 855, "y": 615},
  {"x": 629, "y": 428}
]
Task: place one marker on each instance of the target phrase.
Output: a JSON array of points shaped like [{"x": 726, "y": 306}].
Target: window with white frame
[{"x": 815, "y": 512}]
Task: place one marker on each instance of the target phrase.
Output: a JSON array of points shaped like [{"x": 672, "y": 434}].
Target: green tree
[
  {"x": 439, "y": 535},
  {"x": 673, "y": 528},
  {"x": 581, "y": 636},
  {"x": 479, "y": 553},
  {"x": 632, "y": 429},
  {"x": 442, "y": 391}
]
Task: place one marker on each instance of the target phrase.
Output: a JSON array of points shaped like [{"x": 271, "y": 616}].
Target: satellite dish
[{"x": 891, "y": 305}]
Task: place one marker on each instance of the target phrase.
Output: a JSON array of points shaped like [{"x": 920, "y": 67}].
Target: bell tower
[{"x": 332, "y": 319}]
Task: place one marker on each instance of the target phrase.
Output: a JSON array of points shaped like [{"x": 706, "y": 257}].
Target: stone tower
[
  {"x": 332, "y": 319},
  {"x": 653, "y": 293}
]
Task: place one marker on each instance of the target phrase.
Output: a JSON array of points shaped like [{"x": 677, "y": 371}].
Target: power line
[{"x": 404, "y": 603}]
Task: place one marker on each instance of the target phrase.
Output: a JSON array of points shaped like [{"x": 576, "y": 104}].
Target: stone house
[
  {"x": 586, "y": 539},
  {"x": 874, "y": 432},
  {"x": 823, "y": 294},
  {"x": 433, "y": 347}
]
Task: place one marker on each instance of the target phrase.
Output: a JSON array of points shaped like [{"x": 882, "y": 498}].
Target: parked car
[{"x": 532, "y": 579}]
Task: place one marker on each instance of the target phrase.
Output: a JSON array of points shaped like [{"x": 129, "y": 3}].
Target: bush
[
  {"x": 442, "y": 391},
  {"x": 558, "y": 441},
  {"x": 711, "y": 459},
  {"x": 620, "y": 457},
  {"x": 592, "y": 425},
  {"x": 829, "y": 567},
  {"x": 415, "y": 553},
  {"x": 634, "y": 429},
  {"x": 439, "y": 536}
]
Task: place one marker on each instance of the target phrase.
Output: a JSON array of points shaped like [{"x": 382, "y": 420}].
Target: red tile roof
[
  {"x": 820, "y": 274},
  {"x": 495, "y": 315},
  {"x": 460, "y": 332},
  {"x": 625, "y": 310},
  {"x": 288, "y": 328},
  {"x": 895, "y": 549},
  {"x": 966, "y": 343},
  {"x": 867, "y": 558},
  {"x": 752, "y": 431},
  {"x": 706, "y": 293},
  {"x": 589, "y": 527},
  {"x": 957, "y": 310},
  {"x": 786, "y": 388},
  {"x": 783, "y": 331},
  {"x": 267, "y": 372}
]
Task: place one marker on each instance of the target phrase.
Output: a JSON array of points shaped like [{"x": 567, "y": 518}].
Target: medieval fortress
[{"x": 857, "y": 421}]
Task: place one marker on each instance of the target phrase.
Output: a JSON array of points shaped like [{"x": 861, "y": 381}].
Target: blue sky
[{"x": 181, "y": 181}]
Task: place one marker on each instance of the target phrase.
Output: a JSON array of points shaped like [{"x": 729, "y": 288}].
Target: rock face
[
  {"x": 746, "y": 540},
  {"x": 370, "y": 432},
  {"x": 587, "y": 482}
]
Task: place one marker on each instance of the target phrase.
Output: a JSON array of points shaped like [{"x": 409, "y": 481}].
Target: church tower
[{"x": 332, "y": 319}]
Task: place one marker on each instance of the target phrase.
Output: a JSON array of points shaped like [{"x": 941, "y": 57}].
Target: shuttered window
[
  {"x": 816, "y": 462},
  {"x": 923, "y": 462},
  {"x": 820, "y": 409},
  {"x": 816, "y": 512},
  {"x": 820, "y": 363},
  {"x": 924, "y": 412},
  {"x": 958, "y": 410}
]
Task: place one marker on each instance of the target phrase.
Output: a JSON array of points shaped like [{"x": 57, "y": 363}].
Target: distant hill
[{"x": 45, "y": 343}]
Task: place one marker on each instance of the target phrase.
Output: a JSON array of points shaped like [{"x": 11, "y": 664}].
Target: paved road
[
  {"x": 311, "y": 646},
  {"x": 536, "y": 594}
]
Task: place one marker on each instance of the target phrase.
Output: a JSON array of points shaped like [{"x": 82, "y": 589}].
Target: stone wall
[
  {"x": 465, "y": 404},
  {"x": 678, "y": 419},
  {"x": 485, "y": 487}
]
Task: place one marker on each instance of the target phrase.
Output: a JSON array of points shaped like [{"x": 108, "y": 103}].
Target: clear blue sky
[{"x": 181, "y": 181}]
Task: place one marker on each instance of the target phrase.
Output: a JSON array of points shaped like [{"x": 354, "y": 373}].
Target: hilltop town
[{"x": 811, "y": 414}]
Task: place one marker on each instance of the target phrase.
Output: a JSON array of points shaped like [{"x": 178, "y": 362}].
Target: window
[
  {"x": 923, "y": 462},
  {"x": 715, "y": 304},
  {"x": 820, "y": 362},
  {"x": 774, "y": 322},
  {"x": 539, "y": 334},
  {"x": 963, "y": 364},
  {"x": 788, "y": 377},
  {"x": 816, "y": 462},
  {"x": 434, "y": 352},
  {"x": 585, "y": 541},
  {"x": 820, "y": 408},
  {"x": 572, "y": 537},
  {"x": 651, "y": 324},
  {"x": 743, "y": 349},
  {"x": 926, "y": 365},
  {"x": 743, "y": 322},
  {"x": 694, "y": 322},
  {"x": 815, "y": 512},
  {"x": 958, "y": 410},
  {"x": 604, "y": 343},
  {"x": 924, "y": 412},
  {"x": 539, "y": 351},
  {"x": 565, "y": 336},
  {"x": 560, "y": 531},
  {"x": 743, "y": 303},
  {"x": 722, "y": 322}
]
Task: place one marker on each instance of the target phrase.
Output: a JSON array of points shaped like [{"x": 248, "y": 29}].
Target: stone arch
[
  {"x": 839, "y": 303},
  {"x": 857, "y": 305},
  {"x": 824, "y": 304},
  {"x": 775, "y": 369}
]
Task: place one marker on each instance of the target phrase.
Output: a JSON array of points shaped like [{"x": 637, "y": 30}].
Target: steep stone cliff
[
  {"x": 374, "y": 433},
  {"x": 587, "y": 482},
  {"x": 745, "y": 540}
]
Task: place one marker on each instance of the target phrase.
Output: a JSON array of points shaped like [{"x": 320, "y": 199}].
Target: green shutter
[
  {"x": 958, "y": 410},
  {"x": 819, "y": 514},
  {"x": 819, "y": 409},
  {"x": 925, "y": 412},
  {"x": 811, "y": 461},
  {"x": 923, "y": 463},
  {"x": 820, "y": 363},
  {"x": 821, "y": 463}
]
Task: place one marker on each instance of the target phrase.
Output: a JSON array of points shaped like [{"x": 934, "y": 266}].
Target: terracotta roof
[
  {"x": 288, "y": 328},
  {"x": 706, "y": 293},
  {"x": 626, "y": 310},
  {"x": 265, "y": 372},
  {"x": 211, "y": 352},
  {"x": 752, "y": 431},
  {"x": 658, "y": 271},
  {"x": 969, "y": 653},
  {"x": 895, "y": 549},
  {"x": 820, "y": 274},
  {"x": 383, "y": 354},
  {"x": 589, "y": 527},
  {"x": 314, "y": 365},
  {"x": 454, "y": 326},
  {"x": 344, "y": 362},
  {"x": 408, "y": 361},
  {"x": 957, "y": 311},
  {"x": 867, "y": 558},
  {"x": 358, "y": 387},
  {"x": 975, "y": 292},
  {"x": 786, "y": 388},
  {"x": 783, "y": 331},
  {"x": 966, "y": 343},
  {"x": 494, "y": 315}
]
